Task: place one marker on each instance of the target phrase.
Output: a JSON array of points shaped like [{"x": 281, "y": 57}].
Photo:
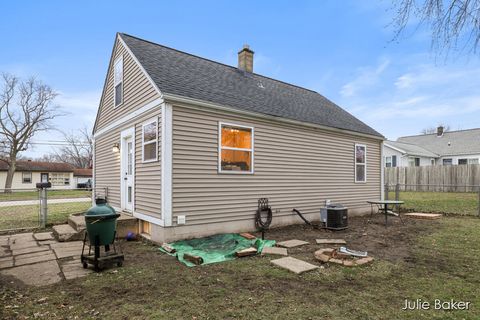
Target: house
[
  {"x": 441, "y": 148},
  {"x": 188, "y": 145},
  {"x": 28, "y": 173},
  {"x": 82, "y": 177}
]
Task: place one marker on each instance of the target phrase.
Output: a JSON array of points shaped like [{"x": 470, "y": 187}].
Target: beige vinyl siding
[
  {"x": 107, "y": 167},
  {"x": 295, "y": 167},
  {"x": 147, "y": 175},
  {"x": 137, "y": 90}
]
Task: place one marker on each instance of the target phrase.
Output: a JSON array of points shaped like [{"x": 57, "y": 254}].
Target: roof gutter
[{"x": 196, "y": 102}]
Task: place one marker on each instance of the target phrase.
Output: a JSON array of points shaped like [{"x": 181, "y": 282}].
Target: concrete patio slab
[
  {"x": 6, "y": 262},
  {"x": 43, "y": 236},
  {"x": 331, "y": 241},
  {"x": 22, "y": 243},
  {"x": 16, "y": 252},
  {"x": 275, "y": 251},
  {"x": 295, "y": 265},
  {"x": 46, "y": 242},
  {"x": 4, "y": 252},
  {"x": 67, "y": 249},
  {"x": 291, "y": 243},
  {"x": 36, "y": 274},
  {"x": 34, "y": 258},
  {"x": 74, "y": 269}
]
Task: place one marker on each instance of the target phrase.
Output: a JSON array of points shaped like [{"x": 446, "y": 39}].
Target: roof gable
[
  {"x": 178, "y": 73},
  {"x": 450, "y": 143}
]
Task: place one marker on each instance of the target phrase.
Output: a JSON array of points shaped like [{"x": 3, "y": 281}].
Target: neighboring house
[
  {"x": 29, "y": 173},
  {"x": 399, "y": 154},
  {"x": 82, "y": 177},
  {"x": 440, "y": 148},
  {"x": 188, "y": 145}
]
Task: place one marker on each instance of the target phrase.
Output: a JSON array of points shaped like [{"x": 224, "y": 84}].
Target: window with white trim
[
  {"x": 26, "y": 177},
  {"x": 235, "y": 148},
  {"x": 360, "y": 163},
  {"x": 60, "y": 179},
  {"x": 150, "y": 141},
  {"x": 118, "y": 82},
  {"x": 468, "y": 161}
]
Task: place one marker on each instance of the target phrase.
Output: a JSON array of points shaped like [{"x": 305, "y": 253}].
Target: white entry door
[{"x": 127, "y": 170}]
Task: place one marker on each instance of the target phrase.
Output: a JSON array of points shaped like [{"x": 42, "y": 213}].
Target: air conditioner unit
[{"x": 334, "y": 217}]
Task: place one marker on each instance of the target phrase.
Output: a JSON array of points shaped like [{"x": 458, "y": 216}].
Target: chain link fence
[
  {"x": 441, "y": 198},
  {"x": 21, "y": 208}
]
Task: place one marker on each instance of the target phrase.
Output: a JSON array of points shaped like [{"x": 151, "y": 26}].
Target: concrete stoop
[{"x": 75, "y": 229}]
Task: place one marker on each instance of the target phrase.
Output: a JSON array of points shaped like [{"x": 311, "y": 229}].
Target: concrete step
[
  {"x": 65, "y": 232},
  {"x": 77, "y": 222}
]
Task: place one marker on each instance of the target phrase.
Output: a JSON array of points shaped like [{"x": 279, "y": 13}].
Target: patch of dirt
[{"x": 390, "y": 243}]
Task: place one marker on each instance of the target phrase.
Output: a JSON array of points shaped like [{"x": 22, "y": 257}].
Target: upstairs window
[
  {"x": 360, "y": 163},
  {"x": 26, "y": 177},
  {"x": 149, "y": 141},
  {"x": 235, "y": 149},
  {"x": 118, "y": 81}
]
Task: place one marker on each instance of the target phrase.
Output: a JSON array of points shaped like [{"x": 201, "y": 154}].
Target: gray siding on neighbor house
[
  {"x": 147, "y": 175},
  {"x": 137, "y": 90},
  {"x": 295, "y": 167}
]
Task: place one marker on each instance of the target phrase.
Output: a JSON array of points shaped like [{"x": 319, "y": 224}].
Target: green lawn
[
  {"x": 463, "y": 203},
  {"x": 422, "y": 260},
  {"x": 52, "y": 194},
  {"x": 16, "y": 217}
]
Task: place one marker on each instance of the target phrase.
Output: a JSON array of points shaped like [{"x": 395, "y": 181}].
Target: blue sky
[{"x": 342, "y": 49}]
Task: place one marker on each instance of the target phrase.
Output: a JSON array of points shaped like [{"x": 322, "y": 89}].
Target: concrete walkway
[
  {"x": 35, "y": 202},
  {"x": 37, "y": 259}
]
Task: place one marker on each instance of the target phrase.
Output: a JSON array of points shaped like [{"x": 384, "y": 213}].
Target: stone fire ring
[{"x": 332, "y": 255}]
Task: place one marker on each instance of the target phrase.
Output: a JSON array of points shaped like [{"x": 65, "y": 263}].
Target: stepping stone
[
  {"x": 34, "y": 258},
  {"x": 291, "y": 243},
  {"x": 37, "y": 274},
  {"x": 331, "y": 241},
  {"x": 67, "y": 249},
  {"x": 275, "y": 250},
  {"x": 16, "y": 252},
  {"x": 43, "y": 236},
  {"x": 74, "y": 269},
  {"x": 22, "y": 244},
  {"x": 6, "y": 262},
  {"x": 425, "y": 216},
  {"x": 295, "y": 265},
  {"x": 65, "y": 232}
]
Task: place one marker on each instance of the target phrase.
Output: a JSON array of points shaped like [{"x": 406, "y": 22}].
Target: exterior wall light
[{"x": 116, "y": 147}]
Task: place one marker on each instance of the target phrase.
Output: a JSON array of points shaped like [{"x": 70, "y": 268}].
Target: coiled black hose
[{"x": 259, "y": 222}]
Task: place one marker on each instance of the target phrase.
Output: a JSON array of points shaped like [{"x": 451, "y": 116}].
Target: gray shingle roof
[
  {"x": 183, "y": 74},
  {"x": 461, "y": 142},
  {"x": 411, "y": 149}
]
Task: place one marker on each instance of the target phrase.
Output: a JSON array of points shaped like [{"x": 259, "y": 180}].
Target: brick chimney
[
  {"x": 439, "y": 131},
  {"x": 245, "y": 59}
]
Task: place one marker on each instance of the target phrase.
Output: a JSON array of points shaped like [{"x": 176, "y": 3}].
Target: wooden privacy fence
[{"x": 455, "y": 178}]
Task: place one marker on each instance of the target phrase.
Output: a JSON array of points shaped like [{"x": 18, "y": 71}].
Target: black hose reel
[{"x": 263, "y": 216}]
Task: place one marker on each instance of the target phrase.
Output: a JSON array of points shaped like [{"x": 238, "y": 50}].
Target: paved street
[{"x": 37, "y": 259}]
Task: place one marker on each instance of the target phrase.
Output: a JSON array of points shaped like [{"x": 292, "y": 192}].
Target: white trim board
[
  {"x": 166, "y": 160},
  {"x": 130, "y": 117}
]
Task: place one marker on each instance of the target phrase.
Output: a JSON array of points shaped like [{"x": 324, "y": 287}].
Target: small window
[
  {"x": 447, "y": 162},
  {"x": 388, "y": 162},
  {"x": 26, "y": 177},
  {"x": 413, "y": 162},
  {"x": 149, "y": 141},
  {"x": 360, "y": 163},
  {"x": 468, "y": 161},
  {"x": 473, "y": 161},
  {"x": 59, "y": 179},
  {"x": 462, "y": 161},
  {"x": 118, "y": 81},
  {"x": 432, "y": 162},
  {"x": 235, "y": 149}
]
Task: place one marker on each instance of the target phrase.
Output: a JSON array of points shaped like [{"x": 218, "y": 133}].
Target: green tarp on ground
[{"x": 217, "y": 248}]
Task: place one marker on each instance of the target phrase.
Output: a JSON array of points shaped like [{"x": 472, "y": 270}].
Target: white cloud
[{"x": 366, "y": 78}]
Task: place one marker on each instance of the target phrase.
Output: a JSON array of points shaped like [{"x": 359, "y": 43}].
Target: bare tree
[
  {"x": 431, "y": 130},
  {"x": 79, "y": 149},
  {"x": 454, "y": 24},
  {"x": 26, "y": 108}
]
